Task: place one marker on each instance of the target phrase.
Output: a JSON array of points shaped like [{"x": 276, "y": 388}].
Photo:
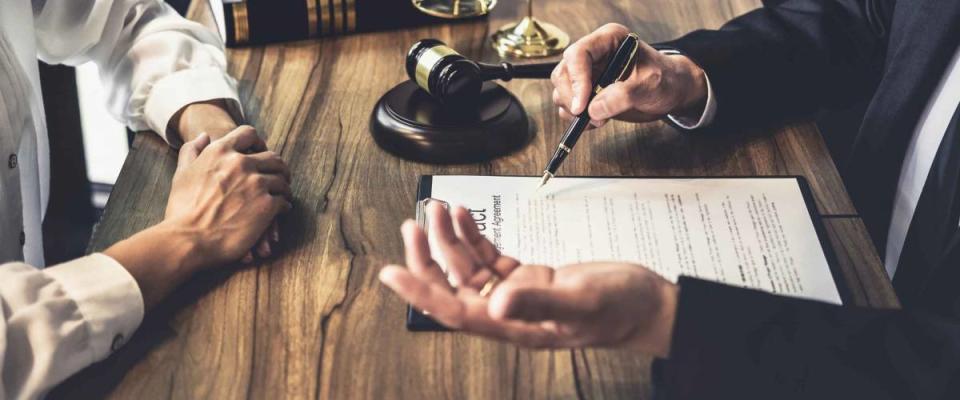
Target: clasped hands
[
  {"x": 225, "y": 196},
  {"x": 604, "y": 304}
]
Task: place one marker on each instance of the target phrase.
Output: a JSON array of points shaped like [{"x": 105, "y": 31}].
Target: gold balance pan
[{"x": 454, "y": 9}]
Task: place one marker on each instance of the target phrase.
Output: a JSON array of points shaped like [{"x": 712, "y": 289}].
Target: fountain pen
[{"x": 617, "y": 69}]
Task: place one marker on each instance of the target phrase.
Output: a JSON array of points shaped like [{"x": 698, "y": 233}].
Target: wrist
[
  {"x": 210, "y": 117},
  {"x": 654, "y": 333},
  {"x": 181, "y": 244},
  {"x": 159, "y": 258},
  {"x": 669, "y": 293},
  {"x": 691, "y": 88}
]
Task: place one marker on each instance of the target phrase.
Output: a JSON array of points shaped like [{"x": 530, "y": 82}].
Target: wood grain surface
[{"x": 314, "y": 322}]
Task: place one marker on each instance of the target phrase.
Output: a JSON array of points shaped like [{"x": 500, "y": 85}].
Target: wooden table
[{"x": 315, "y": 322}]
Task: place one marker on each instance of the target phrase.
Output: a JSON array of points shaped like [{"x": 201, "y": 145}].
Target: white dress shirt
[
  {"x": 923, "y": 147},
  {"x": 919, "y": 159},
  {"x": 57, "y": 320}
]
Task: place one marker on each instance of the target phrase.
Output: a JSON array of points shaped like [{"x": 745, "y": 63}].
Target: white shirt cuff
[
  {"x": 107, "y": 296},
  {"x": 709, "y": 111},
  {"x": 185, "y": 87}
]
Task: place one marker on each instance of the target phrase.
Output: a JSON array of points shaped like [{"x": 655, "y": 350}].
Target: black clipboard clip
[
  {"x": 422, "y": 210},
  {"x": 418, "y": 321}
]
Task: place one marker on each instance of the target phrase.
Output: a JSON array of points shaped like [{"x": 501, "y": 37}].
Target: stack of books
[{"x": 245, "y": 22}]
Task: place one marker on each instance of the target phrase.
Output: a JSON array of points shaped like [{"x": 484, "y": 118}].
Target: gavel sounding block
[{"x": 410, "y": 124}]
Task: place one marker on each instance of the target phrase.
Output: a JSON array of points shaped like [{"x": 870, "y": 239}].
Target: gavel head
[{"x": 442, "y": 72}]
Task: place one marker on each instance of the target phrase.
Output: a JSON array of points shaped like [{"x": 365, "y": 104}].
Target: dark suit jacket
[{"x": 786, "y": 61}]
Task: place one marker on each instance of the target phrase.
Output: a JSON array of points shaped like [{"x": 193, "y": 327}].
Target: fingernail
[{"x": 575, "y": 104}]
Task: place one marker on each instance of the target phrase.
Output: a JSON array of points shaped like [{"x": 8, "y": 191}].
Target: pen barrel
[
  {"x": 570, "y": 138},
  {"x": 573, "y": 132},
  {"x": 555, "y": 162},
  {"x": 620, "y": 63}
]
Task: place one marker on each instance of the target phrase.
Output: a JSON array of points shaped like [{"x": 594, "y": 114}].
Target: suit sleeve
[
  {"x": 733, "y": 343},
  {"x": 790, "y": 58}
]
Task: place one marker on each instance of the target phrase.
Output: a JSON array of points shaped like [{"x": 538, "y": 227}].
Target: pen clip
[
  {"x": 625, "y": 69},
  {"x": 631, "y": 59}
]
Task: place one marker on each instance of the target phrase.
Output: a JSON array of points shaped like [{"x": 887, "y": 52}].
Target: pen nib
[{"x": 543, "y": 181}]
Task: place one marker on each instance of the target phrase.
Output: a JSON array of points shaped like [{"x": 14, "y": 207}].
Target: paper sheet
[{"x": 748, "y": 232}]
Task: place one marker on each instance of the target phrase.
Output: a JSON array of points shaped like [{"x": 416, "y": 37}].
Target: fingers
[
  {"x": 466, "y": 230},
  {"x": 465, "y": 312},
  {"x": 458, "y": 260},
  {"x": 191, "y": 150},
  {"x": 418, "y": 257},
  {"x": 275, "y": 232},
  {"x": 579, "y": 70},
  {"x": 263, "y": 247},
  {"x": 278, "y": 205},
  {"x": 563, "y": 87},
  {"x": 476, "y": 320},
  {"x": 564, "y": 115},
  {"x": 611, "y": 101},
  {"x": 580, "y": 58},
  {"x": 269, "y": 162},
  {"x": 273, "y": 184},
  {"x": 539, "y": 303},
  {"x": 244, "y": 139},
  {"x": 485, "y": 252},
  {"x": 430, "y": 297}
]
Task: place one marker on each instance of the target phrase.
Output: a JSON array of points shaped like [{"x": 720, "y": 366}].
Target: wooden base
[{"x": 409, "y": 123}]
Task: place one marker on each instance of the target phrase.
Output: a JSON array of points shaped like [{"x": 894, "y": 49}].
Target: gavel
[{"x": 453, "y": 79}]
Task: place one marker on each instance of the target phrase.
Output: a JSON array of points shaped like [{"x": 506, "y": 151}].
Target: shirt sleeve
[
  {"x": 58, "y": 320},
  {"x": 152, "y": 61},
  {"x": 709, "y": 110}
]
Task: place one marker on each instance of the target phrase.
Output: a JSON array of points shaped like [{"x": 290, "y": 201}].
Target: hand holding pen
[
  {"x": 616, "y": 69},
  {"x": 640, "y": 84},
  {"x": 659, "y": 83}
]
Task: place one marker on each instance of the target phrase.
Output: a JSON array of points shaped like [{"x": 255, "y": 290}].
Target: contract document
[{"x": 751, "y": 232}]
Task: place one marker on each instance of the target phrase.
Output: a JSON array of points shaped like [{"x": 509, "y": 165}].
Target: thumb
[
  {"x": 191, "y": 150},
  {"x": 613, "y": 100},
  {"x": 535, "y": 304}
]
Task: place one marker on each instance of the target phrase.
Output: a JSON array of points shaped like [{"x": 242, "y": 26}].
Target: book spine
[{"x": 264, "y": 21}]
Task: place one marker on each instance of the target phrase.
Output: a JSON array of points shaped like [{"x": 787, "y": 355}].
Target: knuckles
[
  {"x": 650, "y": 78},
  {"x": 614, "y": 28},
  {"x": 235, "y": 162},
  {"x": 557, "y": 73},
  {"x": 260, "y": 182}
]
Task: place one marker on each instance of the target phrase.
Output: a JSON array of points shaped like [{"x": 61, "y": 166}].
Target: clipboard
[{"x": 417, "y": 321}]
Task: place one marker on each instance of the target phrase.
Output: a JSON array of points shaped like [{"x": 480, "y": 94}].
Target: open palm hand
[{"x": 592, "y": 304}]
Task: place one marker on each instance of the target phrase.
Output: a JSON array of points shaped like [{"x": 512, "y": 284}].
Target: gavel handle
[
  {"x": 533, "y": 71},
  {"x": 506, "y": 71}
]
